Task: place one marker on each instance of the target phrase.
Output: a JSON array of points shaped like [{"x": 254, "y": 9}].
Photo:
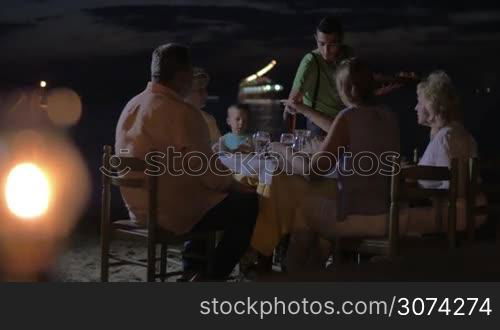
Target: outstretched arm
[
  {"x": 391, "y": 83},
  {"x": 319, "y": 119},
  {"x": 331, "y": 149}
]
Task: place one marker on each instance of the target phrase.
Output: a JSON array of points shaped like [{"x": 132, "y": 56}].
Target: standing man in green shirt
[{"x": 314, "y": 83}]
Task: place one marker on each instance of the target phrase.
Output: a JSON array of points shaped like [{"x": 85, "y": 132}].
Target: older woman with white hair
[{"x": 438, "y": 107}]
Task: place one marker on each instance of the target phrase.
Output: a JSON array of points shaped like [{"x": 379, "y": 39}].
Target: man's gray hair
[{"x": 167, "y": 60}]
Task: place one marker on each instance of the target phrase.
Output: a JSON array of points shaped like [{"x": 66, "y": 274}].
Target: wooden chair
[
  {"x": 489, "y": 171},
  {"x": 404, "y": 188},
  {"x": 152, "y": 233}
]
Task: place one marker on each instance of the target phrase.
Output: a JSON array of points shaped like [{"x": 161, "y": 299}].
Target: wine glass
[
  {"x": 260, "y": 140},
  {"x": 301, "y": 138},
  {"x": 287, "y": 139}
]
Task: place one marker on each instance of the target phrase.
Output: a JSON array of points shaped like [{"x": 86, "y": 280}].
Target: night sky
[
  {"x": 102, "y": 50},
  {"x": 58, "y": 29}
]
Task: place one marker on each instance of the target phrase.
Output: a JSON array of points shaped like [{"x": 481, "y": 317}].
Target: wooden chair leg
[
  {"x": 337, "y": 253},
  {"x": 211, "y": 241},
  {"x": 163, "y": 262},
  {"x": 105, "y": 242},
  {"x": 151, "y": 268},
  {"x": 104, "y": 264},
  {"x": 105, "y": 216},
  {"x": 497, "y": 236},
  {"x": 452, "y": 211}
]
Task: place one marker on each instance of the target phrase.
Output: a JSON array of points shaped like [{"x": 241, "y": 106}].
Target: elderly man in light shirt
[{"x": 159, "y": 119}]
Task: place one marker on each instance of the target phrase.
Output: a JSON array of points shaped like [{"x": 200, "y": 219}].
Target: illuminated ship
[{"x": 263, "y": 96}]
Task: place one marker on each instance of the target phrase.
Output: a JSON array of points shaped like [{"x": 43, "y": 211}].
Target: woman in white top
[{"x": 438, "y": 108}]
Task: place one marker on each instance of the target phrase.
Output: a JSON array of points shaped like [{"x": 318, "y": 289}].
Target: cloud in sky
[
  {"x": 7, "y": 28},
  {"x": 56, "y": 28}
]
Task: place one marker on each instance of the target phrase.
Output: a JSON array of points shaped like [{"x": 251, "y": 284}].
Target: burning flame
[{"x": 27, "y": 191}]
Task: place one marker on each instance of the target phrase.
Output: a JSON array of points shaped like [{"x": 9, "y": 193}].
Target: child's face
[{"x": 237, "y": 120}]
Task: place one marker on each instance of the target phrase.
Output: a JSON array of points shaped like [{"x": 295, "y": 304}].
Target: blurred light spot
[
  {"x": 3, "y": 151},
  {"x": 261, "y": 89},
  {"x": 27, "y": 191},
  {"x": 261, "y": 72},
  {"x": 27, "y": 141},
  {"x": 64, "y": 107},
  {"x": 43, "y": 84}
]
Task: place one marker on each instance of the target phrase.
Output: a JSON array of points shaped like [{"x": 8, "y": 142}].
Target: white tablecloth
[{"x": 250, "y": 165}]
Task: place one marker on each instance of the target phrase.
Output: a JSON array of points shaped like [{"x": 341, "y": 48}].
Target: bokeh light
[
  {"x": 64, "y": 107},
  {"x": 45, "y": 187},
  {"x": 21, "y": 108},
  {"x": 27, "y": 191}
]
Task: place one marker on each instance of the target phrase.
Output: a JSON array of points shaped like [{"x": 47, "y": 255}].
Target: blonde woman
[
  {"x": 360, "y": 142},
  {"x": 437, "y": 108}
]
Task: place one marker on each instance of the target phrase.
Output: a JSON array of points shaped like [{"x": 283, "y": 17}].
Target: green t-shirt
[{"x": 328, "y": 100}]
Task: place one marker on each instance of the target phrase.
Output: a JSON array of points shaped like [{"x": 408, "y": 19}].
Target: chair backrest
[
  {"x": 485, "y": 169},
  {"x": 113, "y": 173},
  {"x": 484, "y": 178},
  {"x": 405, "y": 187},
  {"x": 116, "y": 167}
]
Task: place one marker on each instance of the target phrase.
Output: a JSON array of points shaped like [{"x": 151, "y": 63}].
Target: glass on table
[
  {"x": 218, "y": 147},
  {"x": 301, "y": 137},
  {"x": 287, "y": 139},
  {"x": 261, "y": 140}
]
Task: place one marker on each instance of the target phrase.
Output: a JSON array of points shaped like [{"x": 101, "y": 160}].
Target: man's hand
[
  {"x": 387, "y": 89},
  {"x": 298, "y": 97},
  {"x": 289, "y": 110},
  {"x": 292, "y": 106},
  {"x": 295, "y": 98}
]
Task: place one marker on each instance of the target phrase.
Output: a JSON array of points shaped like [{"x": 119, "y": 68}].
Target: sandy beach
[{"x": 81, "y": 261}]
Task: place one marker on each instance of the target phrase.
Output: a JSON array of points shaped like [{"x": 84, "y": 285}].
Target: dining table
[{"x": 280, "y": 191}]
